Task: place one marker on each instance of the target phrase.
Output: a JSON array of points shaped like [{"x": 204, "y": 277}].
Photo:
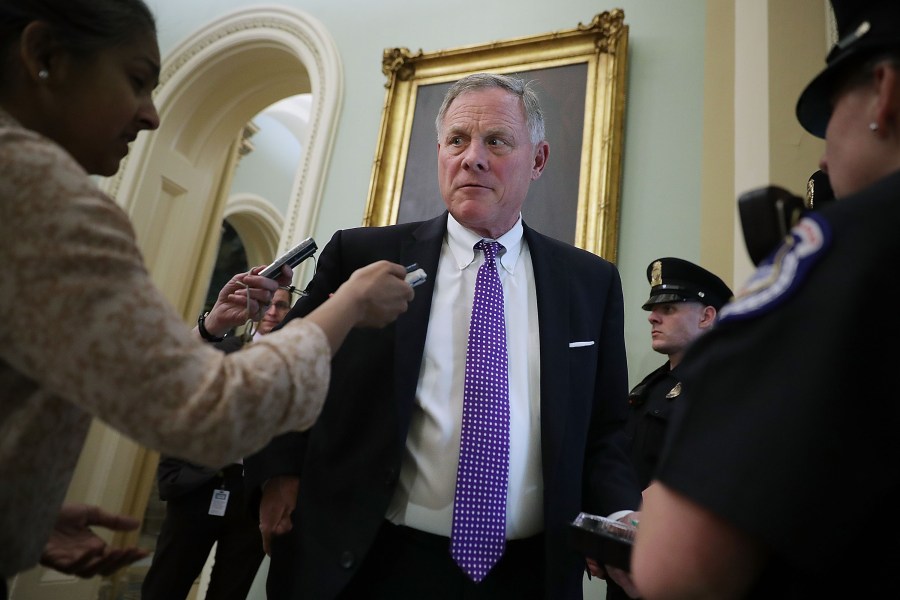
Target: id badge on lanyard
[{"x": 219, "y": 503}]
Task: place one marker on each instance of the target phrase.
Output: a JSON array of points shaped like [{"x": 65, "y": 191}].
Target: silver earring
[
  {"x": 44, "y": 74},
  {"x": 873, "y": 126}
]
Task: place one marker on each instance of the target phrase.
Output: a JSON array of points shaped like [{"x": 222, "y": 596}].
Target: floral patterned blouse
[{"x": 88, "y": 334}]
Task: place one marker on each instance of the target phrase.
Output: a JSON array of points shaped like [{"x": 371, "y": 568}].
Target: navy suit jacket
[{"x": 349, "y": 461}]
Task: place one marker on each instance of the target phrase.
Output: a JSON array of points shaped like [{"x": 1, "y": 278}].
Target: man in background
[
  {"x": 684, "y": 301},
  {"x": 206, "y": 506}
]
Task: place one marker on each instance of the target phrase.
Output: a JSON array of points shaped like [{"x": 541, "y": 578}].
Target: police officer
[
  {"x": 780, "y": 477},
  {"x": 684, "y": 302}
]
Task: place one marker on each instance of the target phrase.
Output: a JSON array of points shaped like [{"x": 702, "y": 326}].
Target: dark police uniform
[
  {"x": 651, "y": 401},
  {"x": 791, "y": 429}
]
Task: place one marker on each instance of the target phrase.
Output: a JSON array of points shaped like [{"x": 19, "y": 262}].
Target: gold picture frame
[{"x": 581, "y": 79}]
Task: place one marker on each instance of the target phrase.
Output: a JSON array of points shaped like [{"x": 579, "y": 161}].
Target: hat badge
[
  {"x": 656, "y": 274},
  {"x": 854, "y": 35}
]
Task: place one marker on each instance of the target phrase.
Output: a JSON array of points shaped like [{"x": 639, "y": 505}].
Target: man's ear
[
  {"x": 708, "y": 317},
  {"x": 37, "y": 48},
  {"x": 541, "y": 154}
]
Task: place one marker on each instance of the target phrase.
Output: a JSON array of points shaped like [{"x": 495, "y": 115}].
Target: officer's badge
[
  {"x": 779, "y": 276},
  {"x": 674, "y": 392},
  {"x": 656, "y": 274}
]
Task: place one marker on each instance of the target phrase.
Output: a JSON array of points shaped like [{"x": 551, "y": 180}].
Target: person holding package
[
  {"x": 684, "y": 301},
  {"x": 780, "y": 477}
]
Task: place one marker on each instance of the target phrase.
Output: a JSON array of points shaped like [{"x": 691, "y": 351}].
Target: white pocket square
[{"x": 580, "y": 344}]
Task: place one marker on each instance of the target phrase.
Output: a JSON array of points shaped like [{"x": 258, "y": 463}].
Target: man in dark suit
[
  {"x": 376, "y": 475},
  {"x": 206, "y": 506}
]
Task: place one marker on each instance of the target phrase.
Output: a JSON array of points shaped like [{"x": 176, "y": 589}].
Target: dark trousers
[
  {"x": 187, "y": 535},
  {"x": 407, "y": 564}
]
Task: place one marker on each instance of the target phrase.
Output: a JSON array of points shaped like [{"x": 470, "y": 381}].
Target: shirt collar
[{"x": 462, "y": 244}]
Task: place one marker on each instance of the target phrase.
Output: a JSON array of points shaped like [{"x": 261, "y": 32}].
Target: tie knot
[{"x": 490, "y": 249}]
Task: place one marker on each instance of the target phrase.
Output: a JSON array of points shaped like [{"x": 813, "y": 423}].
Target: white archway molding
[
  {"x": 258, "y": 223},
  {"x": 210, "y": 86},
  {"x": 293, "y": 114}
]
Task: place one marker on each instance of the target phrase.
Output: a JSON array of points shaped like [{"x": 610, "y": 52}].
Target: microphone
[{"x": 292, "y": 258}]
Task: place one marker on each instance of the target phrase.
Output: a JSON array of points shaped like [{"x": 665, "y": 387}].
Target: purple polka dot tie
[{"x": 479, "y": 510}]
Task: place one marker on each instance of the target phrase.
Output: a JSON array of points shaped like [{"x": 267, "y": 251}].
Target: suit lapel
[
  {"x": 552, "y": 291},
  {"x": 423, "y": 246}
]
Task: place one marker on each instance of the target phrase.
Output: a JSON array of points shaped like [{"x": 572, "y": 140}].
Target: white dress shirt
[{"x": 424, "y": 496}]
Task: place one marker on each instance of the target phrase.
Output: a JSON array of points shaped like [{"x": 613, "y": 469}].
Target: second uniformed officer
[{"x": 684, "y": 301}]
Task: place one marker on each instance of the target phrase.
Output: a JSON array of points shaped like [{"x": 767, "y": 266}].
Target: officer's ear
[{"x": 708, "y": 317}]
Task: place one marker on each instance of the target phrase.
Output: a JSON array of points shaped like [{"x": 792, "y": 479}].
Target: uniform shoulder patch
[{"x": 783, "y": 272}]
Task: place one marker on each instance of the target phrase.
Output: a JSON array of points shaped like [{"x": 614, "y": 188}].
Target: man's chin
[
  {"x": 472, "y": 209},
  {"x": 468, "y": 196}
]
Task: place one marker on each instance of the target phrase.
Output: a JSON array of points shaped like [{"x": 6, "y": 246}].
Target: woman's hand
[{"x": 245, "y": 297}]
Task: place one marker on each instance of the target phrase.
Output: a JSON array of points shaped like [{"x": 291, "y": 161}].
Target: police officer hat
[
  {"x": 864, "y": 28},
  {"x": 677, "y": 280}
]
